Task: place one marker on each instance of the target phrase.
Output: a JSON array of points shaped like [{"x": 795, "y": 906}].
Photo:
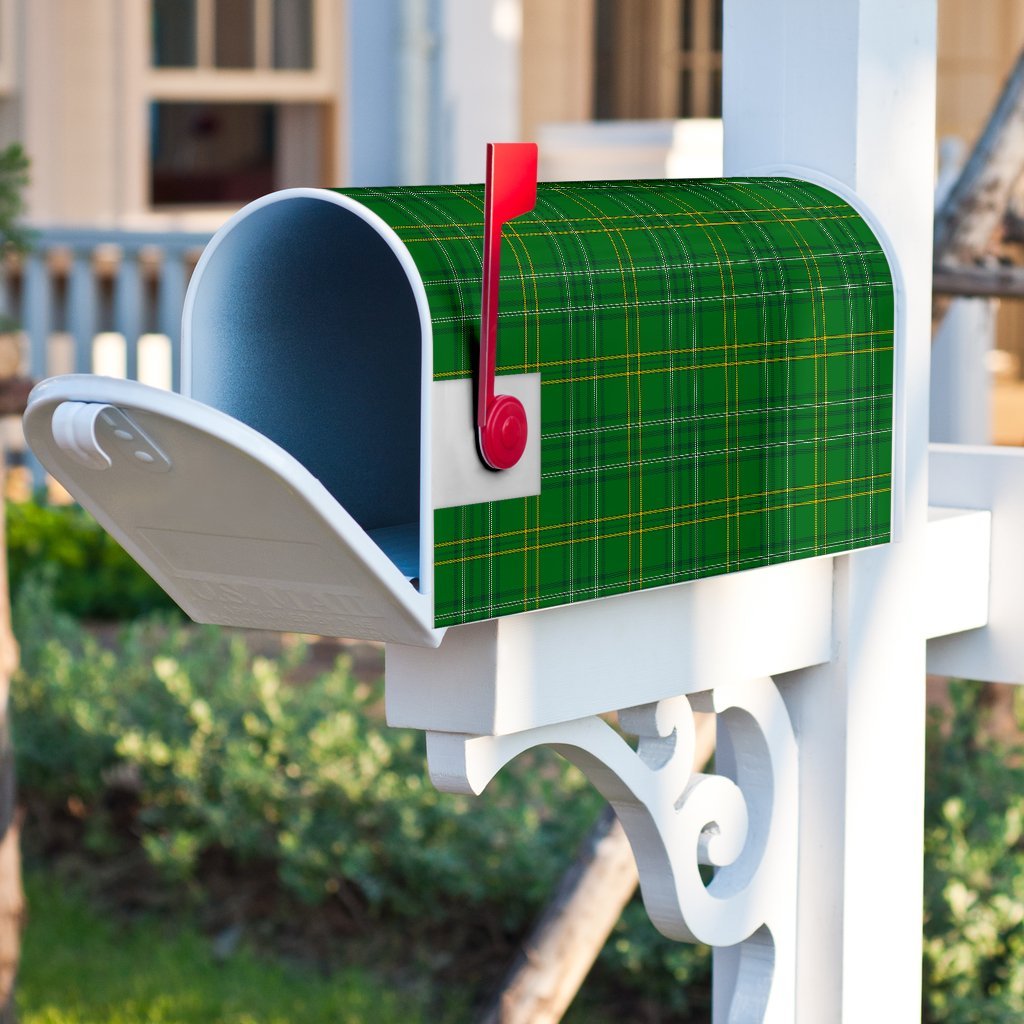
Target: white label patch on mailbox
[{"x": 459, "y": 474}]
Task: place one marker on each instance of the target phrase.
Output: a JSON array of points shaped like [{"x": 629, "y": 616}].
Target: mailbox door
[{"x": 234, "y": 528}]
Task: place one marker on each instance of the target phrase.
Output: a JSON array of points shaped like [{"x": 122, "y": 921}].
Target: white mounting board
[
  {"x": 967, "y": 476},
  {"x": 558, "y": 664},
  {"x": 459, "y": 476},
  {"x": 229, "y": 524},
  {"x": 956, "y": 583}
]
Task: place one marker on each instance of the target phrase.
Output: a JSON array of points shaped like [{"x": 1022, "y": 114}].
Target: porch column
[{"x": 848, "y": 89}]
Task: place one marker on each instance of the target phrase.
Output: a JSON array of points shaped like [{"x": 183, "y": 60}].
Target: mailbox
[{"x": 705, "y": 368}]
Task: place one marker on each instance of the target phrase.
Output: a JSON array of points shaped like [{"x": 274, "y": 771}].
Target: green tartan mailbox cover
[{"x": 716, "y": 367}]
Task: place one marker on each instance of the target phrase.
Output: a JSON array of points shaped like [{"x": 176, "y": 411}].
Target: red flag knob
[{"x": 503, "y": 435}]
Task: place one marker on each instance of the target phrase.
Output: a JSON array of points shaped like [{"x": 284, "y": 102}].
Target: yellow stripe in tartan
[
  {"x": 753, "y": 496},
  {"x": 722, "y": 255},
  {"x": 502, "y": 345},
  {"x": 644, "y": 227},
  {"x": 514, "y": 245},
  {"x": 719, "y": 250},
  {"x": 624, "y": 216},
  {"x": 569, "y": 541},
  {"x": 607, "y": 232},
  {"x": 822, "y": 439},
  {"x": 803, "y": 249},
  {"x": 539, "y": 364},
  {"x": 718, "y": 366},
  {"x": 685, "y": 267}
]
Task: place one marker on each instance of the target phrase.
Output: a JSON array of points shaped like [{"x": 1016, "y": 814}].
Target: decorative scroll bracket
[{"x": 743, "y": 822}]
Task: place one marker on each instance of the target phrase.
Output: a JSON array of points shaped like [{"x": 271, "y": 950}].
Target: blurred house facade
[
  {"x": 149, "y": 122},
  {"x": 172, "y": 113},
  {"x": 164, "y": 113}
]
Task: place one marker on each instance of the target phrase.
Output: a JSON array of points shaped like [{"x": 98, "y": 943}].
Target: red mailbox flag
[{"x": 511, "y": 190}]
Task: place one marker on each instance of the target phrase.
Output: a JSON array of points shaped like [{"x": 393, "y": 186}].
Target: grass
[{"x": 79, "y": 968}]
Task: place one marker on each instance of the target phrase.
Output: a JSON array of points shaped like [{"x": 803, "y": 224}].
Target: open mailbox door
[{"x": 234, "y": 528}]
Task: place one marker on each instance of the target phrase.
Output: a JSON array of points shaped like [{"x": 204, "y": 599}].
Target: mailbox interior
[{"x": 306, "y": 321}]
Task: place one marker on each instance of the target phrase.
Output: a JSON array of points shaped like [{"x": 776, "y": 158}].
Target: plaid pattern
[{"x": 717, "y": 375}]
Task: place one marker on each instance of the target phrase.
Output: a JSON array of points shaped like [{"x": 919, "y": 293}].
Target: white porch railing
[
  {"x": 99, "y": 301},
  {"x": 102, "y": 301}
]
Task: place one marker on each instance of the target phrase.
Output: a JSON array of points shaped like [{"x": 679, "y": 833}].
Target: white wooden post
[
  {"x": 961, "y": 379},
  {"x": 849, "y": 89},
  {"x": 479, "y": 86},
  {"x": 961, "y": 391},
  {"x": 372, "y": 38}
]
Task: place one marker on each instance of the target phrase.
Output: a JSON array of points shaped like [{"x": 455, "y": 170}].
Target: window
[
  {"x": 658, "y": 58},
  {"x": 242, "y": 98},
  {"x": 212, "y": 152},
  {"x": 255, "y": 35},
  {"x": 293, "y": 34},
  {"x": 174, "y": 33},
  {"x": 700, "y": 59},
  {"x": 234, "y": 34}
]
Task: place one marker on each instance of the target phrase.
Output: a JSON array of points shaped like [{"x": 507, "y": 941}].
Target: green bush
[
  {"x": 228, "y": 757},
  {"x": 974, "y": 869},
  {"x": 91, "y": 574},
  {"x": 225, "y": 755}
]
